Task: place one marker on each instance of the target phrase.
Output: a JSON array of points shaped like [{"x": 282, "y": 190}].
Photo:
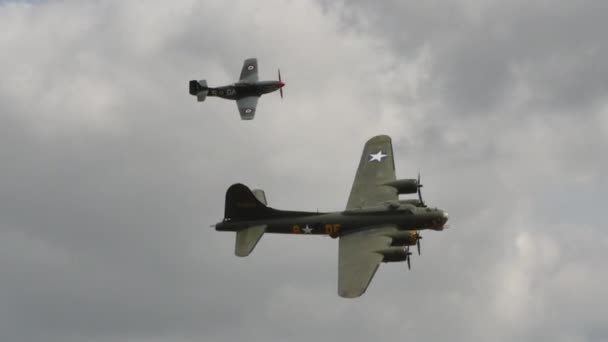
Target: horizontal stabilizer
[
  {"x": 260, "y": 195},
  {"x": 246, "y": 240},
  {"x": 200, "y": 97}
]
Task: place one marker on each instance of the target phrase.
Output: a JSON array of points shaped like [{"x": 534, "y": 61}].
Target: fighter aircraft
[
  {"x": 376, "y": 226},
  {"x": 246, "y": 91}
]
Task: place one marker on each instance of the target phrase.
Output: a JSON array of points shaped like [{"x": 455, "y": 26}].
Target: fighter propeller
[{"x": 281, "y": 84}]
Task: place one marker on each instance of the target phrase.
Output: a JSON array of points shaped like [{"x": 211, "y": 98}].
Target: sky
[{"x": 111, "y": 173}]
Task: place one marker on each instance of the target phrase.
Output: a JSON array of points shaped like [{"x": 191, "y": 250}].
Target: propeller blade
[
  {"x": 409, "y": 254},
  {"x": 418, "y": 244},
  {"x": 420, "y": 192},
  {"x": 280, "y": 81}
]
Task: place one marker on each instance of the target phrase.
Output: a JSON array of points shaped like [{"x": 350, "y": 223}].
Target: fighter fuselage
[{"x": 240, "y": 90}]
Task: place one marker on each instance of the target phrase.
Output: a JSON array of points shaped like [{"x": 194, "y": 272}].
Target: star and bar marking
[
  {"x": 296, "y": 229},
  {"x": 377, "y": 156}
]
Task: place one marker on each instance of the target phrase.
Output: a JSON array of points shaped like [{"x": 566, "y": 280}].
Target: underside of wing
[
  {"x": 376, "y": 167},
  {"x": 249, "y": 72},
  {"x": 359, "y": 258},
  {"x": 247, "y": 106}
]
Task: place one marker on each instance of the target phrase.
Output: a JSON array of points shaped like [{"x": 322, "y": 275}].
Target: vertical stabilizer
[{"x": 242, "y": 203}]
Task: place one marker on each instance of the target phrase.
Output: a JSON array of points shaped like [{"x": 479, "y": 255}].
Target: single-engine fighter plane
[
  {"x": 376, "y": 226},
  {"x": 246, "y": 91}
]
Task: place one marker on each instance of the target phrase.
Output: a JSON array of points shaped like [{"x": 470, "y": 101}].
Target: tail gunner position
[
  {"x": 376, "y": 226},
  {"x": 246, "y": 91}
]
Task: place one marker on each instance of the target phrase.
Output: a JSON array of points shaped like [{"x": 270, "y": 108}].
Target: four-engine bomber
[{"x": 376, "y": 226}]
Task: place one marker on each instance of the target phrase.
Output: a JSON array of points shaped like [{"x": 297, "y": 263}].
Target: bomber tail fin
[
  {"x": 199, "y": 89},
  {"x": 242, "y": 203}
]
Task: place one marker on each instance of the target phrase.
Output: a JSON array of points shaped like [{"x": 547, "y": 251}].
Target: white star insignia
[
  {"x": 307, "y": 230},
  {"x": 378, "y": 156}
]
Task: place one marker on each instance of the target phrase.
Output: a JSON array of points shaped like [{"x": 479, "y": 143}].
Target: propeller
[
  {"x": 418, "y": 238},
  {"x": 420, "y": 192},
  {"x": 409, "y": 264},
  {"x": 281, "y": 84}
]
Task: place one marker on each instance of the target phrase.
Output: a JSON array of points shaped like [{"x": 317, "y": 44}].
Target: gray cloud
[
  {"x": 481, "y": 51},
  {"x": 112, "y": 174}
]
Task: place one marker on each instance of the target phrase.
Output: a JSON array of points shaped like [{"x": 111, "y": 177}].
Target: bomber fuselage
[{"x": 338, "y": 223}]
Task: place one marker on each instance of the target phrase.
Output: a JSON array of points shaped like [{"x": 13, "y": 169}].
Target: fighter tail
[{"x": 199, "y": 89}]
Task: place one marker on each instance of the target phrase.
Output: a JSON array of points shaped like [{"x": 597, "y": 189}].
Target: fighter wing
[
  {"x": 358, "y": 259},
  {"x": 375, "y": 168},
  {"x": 249, "y": 73},
  {"x": 247, "y": 107}
]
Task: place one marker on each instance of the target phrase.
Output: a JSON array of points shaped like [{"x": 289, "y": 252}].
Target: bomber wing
[
  {"x": 358, "y": 259},
  {"x": 247, "y": 107},
  {"x": 376, "y": 167},
  {"x": 249, "y": 72}
]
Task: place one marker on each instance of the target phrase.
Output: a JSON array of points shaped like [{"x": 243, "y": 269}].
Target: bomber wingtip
[
  {"x": 378, "y": 138},
  {"x": 349, "y": 295}
]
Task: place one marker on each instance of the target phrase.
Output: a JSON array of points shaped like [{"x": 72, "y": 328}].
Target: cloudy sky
[{"x": 111, "y": 173}]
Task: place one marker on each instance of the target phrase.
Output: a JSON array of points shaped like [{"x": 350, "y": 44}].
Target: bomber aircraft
[
  {"x": 376, "y": 226},
  {"x": 246, "y": 91}
]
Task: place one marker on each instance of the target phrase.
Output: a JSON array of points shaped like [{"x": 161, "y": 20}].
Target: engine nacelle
[
  {"x": 407, "y": 238},
  {"x": 414, "y": 202},
  {"x": 404, "y": 186},
  {"x": 394, "y": 254}
]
